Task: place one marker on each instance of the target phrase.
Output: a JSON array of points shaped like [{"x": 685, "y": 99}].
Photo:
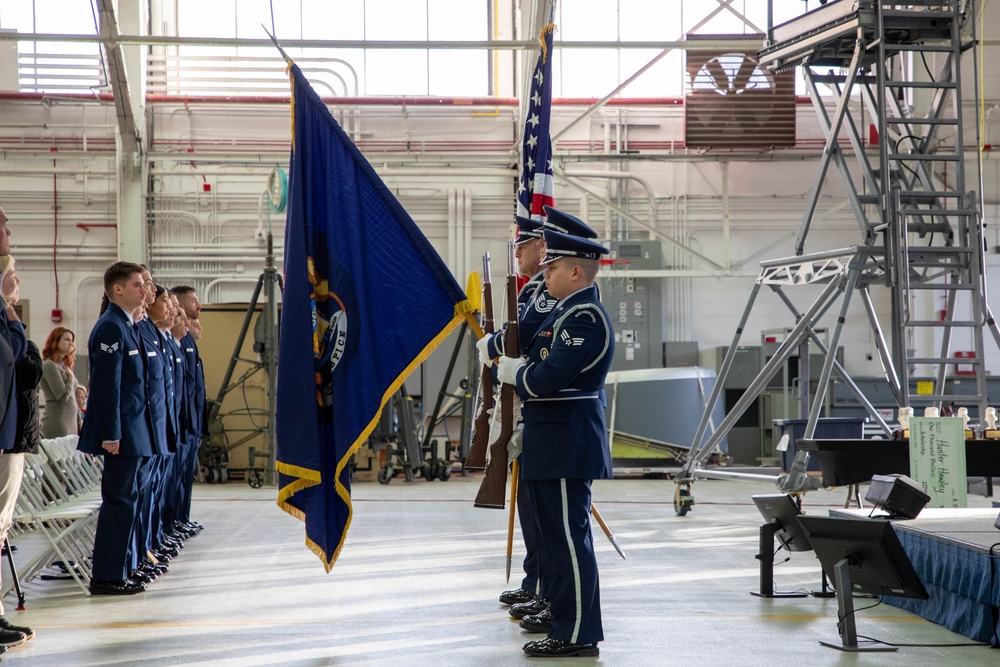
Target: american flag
[{"x": 535, "y": 189}]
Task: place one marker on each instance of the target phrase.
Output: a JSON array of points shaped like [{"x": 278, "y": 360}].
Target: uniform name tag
[
  {"x": 151, "y": 354},
  {"x": 189, "y": 349},
  {"x": 133, "y": 352}
]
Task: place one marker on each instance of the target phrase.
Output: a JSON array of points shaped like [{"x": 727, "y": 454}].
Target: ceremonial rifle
[
  {"x": 476, "y": 458},
  {"x": 491, "y": 491}
]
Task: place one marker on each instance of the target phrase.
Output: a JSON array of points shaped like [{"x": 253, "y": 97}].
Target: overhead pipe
[
  {"x": 459, "y": 266},
  {"x": 419, "y": 45},
  {"x": 43, "y": 253},
  {"x": 467, "y": 253},
  {"x": 359, "y": 100},
  {"x": 622, "y": 175},
  {"x": 214, "y": 284},
  {"x": 452, "y": 233}
]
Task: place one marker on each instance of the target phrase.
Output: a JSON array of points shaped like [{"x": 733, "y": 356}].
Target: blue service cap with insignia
[
  {"x": 527, "y": 230},
  {"x": 558, "y": 221},
  {"x": 559, "y": 245}
]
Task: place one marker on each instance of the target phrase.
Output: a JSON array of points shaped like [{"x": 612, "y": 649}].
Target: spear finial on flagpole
[{"x": 276, "y": 45}]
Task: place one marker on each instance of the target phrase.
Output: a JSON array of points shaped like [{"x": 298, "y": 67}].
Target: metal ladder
[
  {"x": 912, "y": 202},
  {"x": 920, "y": 225},
  {"x": 934, "y": 233}
]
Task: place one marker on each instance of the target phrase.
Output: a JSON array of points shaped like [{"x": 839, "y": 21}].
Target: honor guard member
[
  {"x": 534, "y": 306},
  {"x": 565, "y": 440},
  {"x": 117, "y": 426}
]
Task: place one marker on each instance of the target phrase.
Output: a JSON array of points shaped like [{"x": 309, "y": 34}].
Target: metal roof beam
[{"x": 117, "y": 78}]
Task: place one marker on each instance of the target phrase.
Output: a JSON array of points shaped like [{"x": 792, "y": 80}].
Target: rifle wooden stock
[
  {"x": 491, "y": 491},
  {"x": 476, "y": 458}
]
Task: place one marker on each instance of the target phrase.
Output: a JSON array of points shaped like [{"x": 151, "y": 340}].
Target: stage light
[{"x": 898, "y": 495}]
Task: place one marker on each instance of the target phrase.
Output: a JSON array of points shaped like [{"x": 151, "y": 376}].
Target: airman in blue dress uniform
[
  {"x": 117, "y": 426},
  {"x": 565, "y": 443},
  {"x": 534, "y": 306},
  {"x": 160, "y": 386},
  {"x": 194, "y": 392}
]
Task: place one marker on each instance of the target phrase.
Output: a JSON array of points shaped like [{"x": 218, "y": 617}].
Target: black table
[{"x": 847, "y": 462}]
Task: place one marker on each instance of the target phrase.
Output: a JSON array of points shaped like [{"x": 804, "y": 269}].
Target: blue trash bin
[{"x": 829, "y": 428}]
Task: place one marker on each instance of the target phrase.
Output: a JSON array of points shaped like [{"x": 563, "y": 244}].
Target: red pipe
[
  {"x": 365, "y": 101},
  {"x": 88, "y": 226},
  {"x": 55, "y": 230}
]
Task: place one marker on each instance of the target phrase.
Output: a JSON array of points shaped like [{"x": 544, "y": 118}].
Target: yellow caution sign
[{"x": 925, "y": 387}]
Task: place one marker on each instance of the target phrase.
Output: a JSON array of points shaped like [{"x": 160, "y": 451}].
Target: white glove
[
  {"x": 507, "y": 369},
  {"x": 483, "y": 346},
  {"x": 515, "y": 445}
]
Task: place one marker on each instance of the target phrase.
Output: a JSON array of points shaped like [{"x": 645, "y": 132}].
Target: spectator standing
[{"x": 59, "y": 385}]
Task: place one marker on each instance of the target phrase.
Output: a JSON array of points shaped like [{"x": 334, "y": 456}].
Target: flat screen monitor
[
  {"x": 780, "y": 509},
  {"x": 878, "y": 564}
]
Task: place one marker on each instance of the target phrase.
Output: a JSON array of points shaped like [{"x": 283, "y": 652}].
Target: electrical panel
[{"x": 635, "y": 304}]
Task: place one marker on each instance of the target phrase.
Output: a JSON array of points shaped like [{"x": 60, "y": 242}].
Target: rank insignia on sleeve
[
  {"x": 109, "y": 348},
  {"x": 568, "y": 340}
]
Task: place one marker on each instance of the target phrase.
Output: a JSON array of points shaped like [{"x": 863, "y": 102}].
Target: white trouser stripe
[{"x": 576, "y": 564}]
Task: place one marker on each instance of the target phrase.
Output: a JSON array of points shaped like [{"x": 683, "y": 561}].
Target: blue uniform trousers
[
  {"x": 115, "y": 523},
  {"x": 529, "y": 532},
  {"x": 181, "y": 464},
  {"x": 188, "y": 467},
  {"x": 567, "y": 562},
  {"x": 161, "y": 508},
  {"x": 147, "y": 481}
]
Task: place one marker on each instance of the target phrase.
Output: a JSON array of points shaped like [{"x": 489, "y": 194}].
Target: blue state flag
[{"x": 366, "y": 300}]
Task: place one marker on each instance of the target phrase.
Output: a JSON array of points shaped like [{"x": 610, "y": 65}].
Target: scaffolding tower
[{"x": 920, "y": 223}]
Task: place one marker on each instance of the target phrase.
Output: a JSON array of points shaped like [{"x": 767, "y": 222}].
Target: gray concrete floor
[{"x": 418, "y": 580}]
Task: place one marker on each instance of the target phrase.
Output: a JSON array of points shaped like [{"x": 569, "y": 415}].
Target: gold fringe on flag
[{"x": 551, "y": 27}]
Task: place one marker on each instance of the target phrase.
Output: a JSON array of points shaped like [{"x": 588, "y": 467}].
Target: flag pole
[
  {"x": 607, "y": 531},
  {"x": 277, "y": 46},
  {"x": 510, "y": 519}
]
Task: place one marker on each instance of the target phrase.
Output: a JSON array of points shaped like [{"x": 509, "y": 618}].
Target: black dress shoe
[
  {"x": 116, "y": 588},
  {"x": 188, "y": 526},
  {"x": 166, "y": 550},
  {"x": 536, "y": 606},
  {"x": 162, "y": 557},
  {"x": 540, "y": 622},
  {"x": 516, "y": 596},
  {"x": 141, "y": 575},
  {"x": 158, "y": 569},
  {"x": 557, "y": 648}
]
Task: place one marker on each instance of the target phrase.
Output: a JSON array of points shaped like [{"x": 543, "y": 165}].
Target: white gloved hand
[
  {"x": 515, "y": 444},
  {"x": 483, "y": 346},
  {"x": 507, "y": 369}
]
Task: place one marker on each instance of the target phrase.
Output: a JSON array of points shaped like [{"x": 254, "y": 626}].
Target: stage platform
[{"x": 951, "y": 551}]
